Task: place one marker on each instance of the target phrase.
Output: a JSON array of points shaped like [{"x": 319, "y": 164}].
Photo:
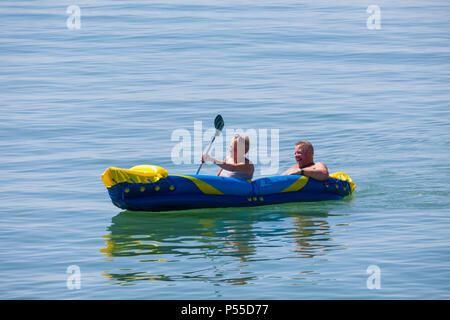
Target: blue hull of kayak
[{"x": 177, "y": 192}]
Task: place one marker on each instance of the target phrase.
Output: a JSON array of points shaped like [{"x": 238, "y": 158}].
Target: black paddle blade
[{"x": 218, "y": 122}]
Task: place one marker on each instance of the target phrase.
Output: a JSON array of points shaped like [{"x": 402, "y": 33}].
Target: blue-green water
[{"x": 375, "y": 104}]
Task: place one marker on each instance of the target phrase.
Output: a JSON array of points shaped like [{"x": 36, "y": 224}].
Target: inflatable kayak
[{"x": 151, "y": 188}]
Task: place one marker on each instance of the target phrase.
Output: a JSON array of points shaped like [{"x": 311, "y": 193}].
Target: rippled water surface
[{"x": 375, "y": 104}]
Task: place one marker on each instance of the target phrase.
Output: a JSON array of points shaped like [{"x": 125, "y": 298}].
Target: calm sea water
[{"x": 375, "y": 104}]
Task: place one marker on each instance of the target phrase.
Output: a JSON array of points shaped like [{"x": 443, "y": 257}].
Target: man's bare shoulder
[
  {"x": 321, "y": 167},
  {"x": 321, "y": 164}
]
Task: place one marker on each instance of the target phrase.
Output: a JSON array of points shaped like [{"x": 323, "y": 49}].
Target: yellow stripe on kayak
[
  {"x": 297, "y": 185},
  {"x": 204, "y": 187}
]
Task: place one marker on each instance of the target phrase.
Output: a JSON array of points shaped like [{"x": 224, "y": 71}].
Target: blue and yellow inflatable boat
[{"x": 151, "y": 188}]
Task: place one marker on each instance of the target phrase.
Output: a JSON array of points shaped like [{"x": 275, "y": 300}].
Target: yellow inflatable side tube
[
  {"x": 137, "y": 174},
  {"x": 344, "y": 177}
]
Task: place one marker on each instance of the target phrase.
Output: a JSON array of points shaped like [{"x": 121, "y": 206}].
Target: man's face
[{"x": 301, "y": 155}]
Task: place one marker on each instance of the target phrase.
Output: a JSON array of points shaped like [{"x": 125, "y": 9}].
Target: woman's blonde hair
[{"x": 239, "y": 138}]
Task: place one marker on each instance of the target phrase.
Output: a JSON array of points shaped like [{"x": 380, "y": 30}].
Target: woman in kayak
[{"x": 236, "y": 165}]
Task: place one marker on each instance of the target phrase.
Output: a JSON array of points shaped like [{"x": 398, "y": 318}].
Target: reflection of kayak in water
[
  {"x": 228, "y": 236},
  {"x": 151, "y": 188}
]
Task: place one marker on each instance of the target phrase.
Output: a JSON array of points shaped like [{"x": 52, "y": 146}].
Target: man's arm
[{"x": 319, "y": 171}]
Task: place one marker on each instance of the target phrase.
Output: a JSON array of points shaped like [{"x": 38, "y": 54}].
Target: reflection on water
[
  {"x": 310, "y": 236},
  {"x": 215, "y": 245}
]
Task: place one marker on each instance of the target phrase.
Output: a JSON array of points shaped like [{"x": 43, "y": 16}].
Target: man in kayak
[
  {"x": 304, "y": 155},
  {"x": 236, "y": 165}
]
